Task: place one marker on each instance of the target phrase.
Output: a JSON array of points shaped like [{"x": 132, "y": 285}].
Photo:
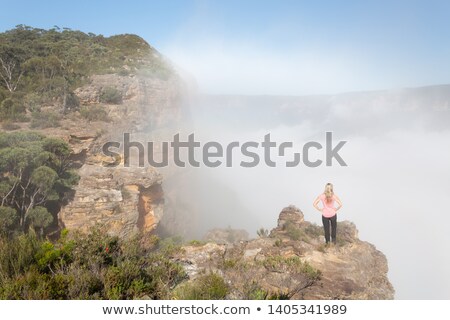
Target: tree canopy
[
  {"x": 47, "y": 65},
  {"x": 34, "y": 170}
]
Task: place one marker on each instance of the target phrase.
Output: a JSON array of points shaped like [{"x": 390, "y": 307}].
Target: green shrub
[
  {"x": 51, "y": 257},
  {"x": 43, "y": 120},
  {"x": 11, "y": 109},
  {"x": 33, "y": 102},
  {"x": 37, "y": 286},
  {"x": 291, "y": 264},
  {"x": 111, "y": 95},
  {"x": 278, "y": 243},
  {"x": 88, "y": 284},
  {"x": 29, "y": 285},
  {"x": 293, "y": 231},
  {"x": 206, "y": 287},
  {"x": 196, "y": 243},
  {"x": 253, "y": 291},
  {"x": 301, "y": 233},
  {"x": 72, "y": 101},
  {"x": 280, "y": 295},
  {"x": 170, "y": 245},
  {"x": 126, "y": 281},
  {"x": 94, "y": 113},
  {"x": 262, "y": 233},
  {"x": 17, "y": 255},
  {"x": 229, "y": 263},
  {"x": 310, "y": 271},
  {"x": 86, "y": 266}
]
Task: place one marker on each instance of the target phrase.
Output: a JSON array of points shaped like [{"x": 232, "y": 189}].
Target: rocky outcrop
[
  {"x": 122, "y": 200},
  {"x": 148, "y": 102},
  {"x": 293, "y": 262},
  {"x": 90, "y": 93}
]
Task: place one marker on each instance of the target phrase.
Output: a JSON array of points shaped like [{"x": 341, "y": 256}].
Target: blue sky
[{"x": 272, "y": 47}]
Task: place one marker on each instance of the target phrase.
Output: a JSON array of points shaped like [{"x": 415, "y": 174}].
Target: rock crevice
[{"x": 122, "y": 200}]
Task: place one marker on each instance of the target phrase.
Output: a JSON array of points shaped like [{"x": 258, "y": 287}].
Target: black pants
[{"x": 326, "y": 227}]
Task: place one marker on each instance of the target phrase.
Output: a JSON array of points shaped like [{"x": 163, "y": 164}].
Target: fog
[
  {"x": 301, "y": 65},
  {"x": 395, "y": 187}
]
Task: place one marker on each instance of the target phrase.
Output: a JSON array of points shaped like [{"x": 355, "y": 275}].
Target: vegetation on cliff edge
[
  {"x": 43, "y": 67},
  {"x": 86, "y": 266}
]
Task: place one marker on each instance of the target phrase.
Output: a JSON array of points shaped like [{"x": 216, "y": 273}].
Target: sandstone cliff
[
  {"x": 292, "y": 262},
  {"x": 124, "y": 200}
]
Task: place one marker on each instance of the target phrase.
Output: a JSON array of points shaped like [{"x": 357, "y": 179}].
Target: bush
[
  {"x": 72, "y": 101},
  {"x": 43, "y": 120},
  {"x": 206, "y": 287},
  {"x": 293, "y": 231},
  {"x": 229, "y": 263},
  {"x": 86, "y": 266},
  {"x": 310, "y": 271},
  {"x": 11, "y": 109},
  {"x": 33, "y": 102},
  {"x": 196, "y": 243},
  {"x": 94, "y": 113},
  {"x": 128, "y": 280},
  {"x": 17, "y": 255},
  {"x": 253, "y": 291},
  {"x": 303, "y": 233},
  {"x": 88, "y": 285},
  {"x": 262, "y": 233},
  {"x": 111, "y": 95},
  {"x": 37, "y": 286},
  {"x": 291, "y": 264}
]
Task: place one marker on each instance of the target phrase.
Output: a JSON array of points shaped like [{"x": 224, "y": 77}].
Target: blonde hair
[{"x": 329, "y": 191}]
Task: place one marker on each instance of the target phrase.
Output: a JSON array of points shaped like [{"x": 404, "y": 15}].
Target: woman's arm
[
  {"x": 338, "y": 201},
  {"x": 316, "y": 204}
]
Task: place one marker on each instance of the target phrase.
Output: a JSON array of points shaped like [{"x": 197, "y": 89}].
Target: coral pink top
[{"x": 328, "y": 209}]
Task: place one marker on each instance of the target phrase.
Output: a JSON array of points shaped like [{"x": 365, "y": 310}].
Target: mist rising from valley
[{"x": 393, "y": 188}]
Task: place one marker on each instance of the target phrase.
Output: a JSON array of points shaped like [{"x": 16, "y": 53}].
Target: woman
[{"x": 328, "y": 211}]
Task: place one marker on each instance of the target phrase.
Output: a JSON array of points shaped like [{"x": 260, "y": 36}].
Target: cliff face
[
  {"x": 292, "y": 262},
  {"x": 148, "y": 103},
  {"x": 123, "y": 200}
]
